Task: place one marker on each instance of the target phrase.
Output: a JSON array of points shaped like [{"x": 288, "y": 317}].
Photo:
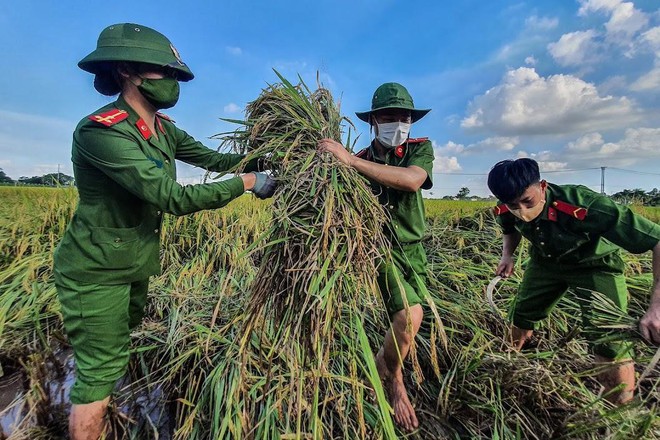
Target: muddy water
[
  {"x": 11, "y": 392},
  {"x": 148, "y": 409}
]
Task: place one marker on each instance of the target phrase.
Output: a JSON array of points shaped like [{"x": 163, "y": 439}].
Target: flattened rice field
[{"x": 463, "y": 381}]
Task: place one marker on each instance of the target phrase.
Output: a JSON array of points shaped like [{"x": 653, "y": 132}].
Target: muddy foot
[{"x": 404, "y": 413}]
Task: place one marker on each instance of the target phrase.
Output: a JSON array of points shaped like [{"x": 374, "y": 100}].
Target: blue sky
[{"x": 574, "y": 84}]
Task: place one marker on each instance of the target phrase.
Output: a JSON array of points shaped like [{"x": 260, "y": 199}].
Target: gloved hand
[{"x": 264, "y": 186}]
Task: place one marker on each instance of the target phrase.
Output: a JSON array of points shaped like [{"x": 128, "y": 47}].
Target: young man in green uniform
[
  {"x": 124, "y": 164},
  {"x": 575, "y": 237},
  {"x": 398, "y": 168}
]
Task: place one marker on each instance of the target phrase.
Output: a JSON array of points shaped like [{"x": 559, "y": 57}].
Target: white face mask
[
  {"x": 529, "y": 214},
  {"x": 393, "y": 134}
]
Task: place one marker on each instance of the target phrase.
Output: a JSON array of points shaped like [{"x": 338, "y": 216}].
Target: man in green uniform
[
  {"x": 399, "y": 168},
  {"x": 124, "y": 164},
  {"x": 575, "y": 237}
]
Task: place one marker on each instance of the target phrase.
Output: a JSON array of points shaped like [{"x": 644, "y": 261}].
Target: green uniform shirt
[
  {"x": 126, "y": 180},
  {"x": 406, "y": 208},
  {"x": 558, "y": 237}
]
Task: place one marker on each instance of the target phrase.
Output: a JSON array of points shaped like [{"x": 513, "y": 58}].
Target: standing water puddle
[{"x": 148, "y": 409}]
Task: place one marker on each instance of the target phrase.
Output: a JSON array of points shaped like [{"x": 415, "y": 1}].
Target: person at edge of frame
[
  {"x": 575, "y": 236},
  {"x": 398, "y": 168},
  {"x": 124, "y": 165}
]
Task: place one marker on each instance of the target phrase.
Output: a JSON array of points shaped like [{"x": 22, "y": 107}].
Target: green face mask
[{"x": 161, "y": 93}]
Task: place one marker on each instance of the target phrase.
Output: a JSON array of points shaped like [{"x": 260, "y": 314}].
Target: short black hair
[{"x": 509, "y": 179}]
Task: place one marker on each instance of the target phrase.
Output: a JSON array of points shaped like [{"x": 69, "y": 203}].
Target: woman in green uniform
[{"x": 124, "y": 164}]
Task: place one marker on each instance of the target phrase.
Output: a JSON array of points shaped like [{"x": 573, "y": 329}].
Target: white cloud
[
  {"x": 541, "y": 23},
  {"x": 448, "y": 148},
  {"x": 444, "y": 164},
  {"x": 649, "y": 81},
  {"x": 575, "y": 48},
  {"x": 233, "y": 50},
  {"x": 651, "y": 38},
  {"x": 232, "y": 108},
  {"x": 636, "y": 146},
  {"x": 588, "y": 142},
  {"x": 497, "y": 143},
  {"x": 545, "y": 160},
  {"x": 624, "y": 19},
  {"x": 530, "y": 61},
  {"x": 637, "y": 142},
  {"x": 526, "y": 103},
  {"x": 597, "y": 5}
]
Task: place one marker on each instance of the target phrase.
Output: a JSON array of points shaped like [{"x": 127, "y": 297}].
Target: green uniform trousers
[
  {"x": 98, "y": 319},
  {"x": 543, "y": 285},
  {"x": 403, "y": 276}
]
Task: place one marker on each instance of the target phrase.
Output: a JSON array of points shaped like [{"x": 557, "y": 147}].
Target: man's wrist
[{"x": 249, "y": 180}]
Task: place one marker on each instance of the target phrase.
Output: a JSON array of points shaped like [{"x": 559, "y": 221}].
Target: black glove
[{"x": 264, "y": 186}]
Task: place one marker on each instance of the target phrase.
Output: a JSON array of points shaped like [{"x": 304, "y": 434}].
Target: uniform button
[
  {"x": 155, "y": 231},
  {"x": 537, "y": 228},
  {"x": 549, "y": 255},
  {"x": 391, "y": 206},
  {"x": 167, "y": 161},
  {"x": 542, "y": 243},
  {"x": 158, "y": 212},
  {"x": 117, "y": 240}
]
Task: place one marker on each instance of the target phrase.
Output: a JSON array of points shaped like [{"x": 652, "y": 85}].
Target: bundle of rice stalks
[{"x": 306, "y": 364}]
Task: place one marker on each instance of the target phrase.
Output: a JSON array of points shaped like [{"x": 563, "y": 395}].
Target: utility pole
[
  {"x": 602, "y": 180},
  {"x": 58, "y": 174}
]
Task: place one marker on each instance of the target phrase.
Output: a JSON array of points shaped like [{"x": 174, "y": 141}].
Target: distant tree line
[
  {"x": 51, "y": 179},
  {"x": 625, "y": 197},
  {"x": 638, "y": 196}
]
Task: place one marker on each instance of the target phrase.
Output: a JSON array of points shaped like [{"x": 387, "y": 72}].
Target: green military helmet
[
  {"x": 393, "y": 95},
  {"x": 137, "y": 43}
]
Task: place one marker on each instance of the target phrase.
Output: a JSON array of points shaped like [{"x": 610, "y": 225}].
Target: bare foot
[{"x": 404, "y": 413}]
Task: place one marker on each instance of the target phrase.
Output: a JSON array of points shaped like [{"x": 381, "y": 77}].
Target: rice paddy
[{"x": 188, "y": 343}]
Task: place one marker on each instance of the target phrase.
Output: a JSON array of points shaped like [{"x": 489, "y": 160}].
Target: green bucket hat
[
  {"x": 134, "y": 42},
  {"x": 393, "y": 95}
]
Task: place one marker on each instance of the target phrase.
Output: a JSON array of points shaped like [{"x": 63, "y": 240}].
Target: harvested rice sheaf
[{"x": 315, "y": 289}]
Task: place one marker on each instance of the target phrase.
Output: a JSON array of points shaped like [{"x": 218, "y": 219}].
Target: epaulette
[
  {"x": 500, "y": 209},
  {"x": 364, "y": 154},
  {"x": 417, "y": 140},
  {"x": 164, "y": 116},
  {"x": 577, "y": 212},
  {"x": 110, "y": 117}
]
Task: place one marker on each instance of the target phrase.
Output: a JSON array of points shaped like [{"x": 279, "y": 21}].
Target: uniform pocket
[{"x": 116, "y": 248}]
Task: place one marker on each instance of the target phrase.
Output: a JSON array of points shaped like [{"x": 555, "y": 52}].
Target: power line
[
  {"x": 634, "y": 171},
  {"x": 542, "y": 172}
]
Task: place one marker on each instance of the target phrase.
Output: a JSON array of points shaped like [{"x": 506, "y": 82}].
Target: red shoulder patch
[
  {"x": 364, "y": 154},
  {"x": 417, "y": 140},
  {"x": 164, "y": 116},
  {"x": 500, "y": 209},
  {"x": 110, "y": 117},
  {"x": 577, "y": 212}
]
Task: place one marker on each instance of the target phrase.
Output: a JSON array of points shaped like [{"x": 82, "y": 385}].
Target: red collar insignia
[
  {"x": 143, "y": 129},
  {"x": 400, "y": 151},
  {"x": 500, "y": 209}
]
